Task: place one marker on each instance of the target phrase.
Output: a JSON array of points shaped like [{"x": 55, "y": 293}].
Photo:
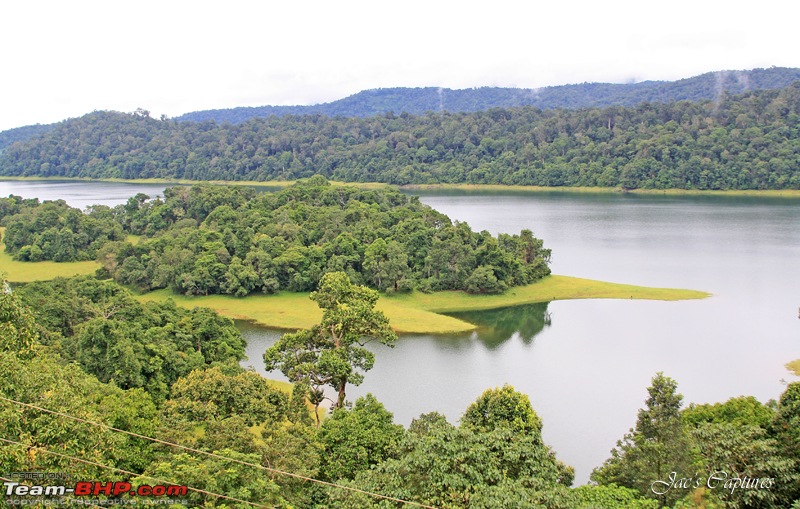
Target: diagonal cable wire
[
  {"x": 126, "y": 472},
  {"x": 218, "y": 456}
]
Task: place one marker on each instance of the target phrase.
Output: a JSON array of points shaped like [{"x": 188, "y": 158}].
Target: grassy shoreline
[
  {"x": 420, "y": 313},
  {"x": 26, "y": 272},
  {"x": 786, "y": 193},
  {"x": 416, "y": 312}
]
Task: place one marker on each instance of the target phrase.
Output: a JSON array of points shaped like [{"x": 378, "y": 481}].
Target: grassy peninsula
[{"x": 419, "y": 312}]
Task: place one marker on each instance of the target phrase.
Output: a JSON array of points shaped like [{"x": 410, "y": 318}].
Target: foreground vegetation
[
  {"x": 736, "y": 142},
  {"x": 63, "y": 347}
]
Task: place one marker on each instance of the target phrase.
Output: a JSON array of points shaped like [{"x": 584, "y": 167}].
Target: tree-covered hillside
[
  {"x": 11, "y": 136},
  {"x": 418, "y": 101},
  {"x": 749, "y": 141}
]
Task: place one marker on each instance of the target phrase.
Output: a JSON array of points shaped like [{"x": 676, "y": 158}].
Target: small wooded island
[{"x": 221, "y": 242}]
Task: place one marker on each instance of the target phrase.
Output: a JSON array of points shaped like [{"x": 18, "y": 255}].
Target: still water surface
[{"x": 586, "y": 364}]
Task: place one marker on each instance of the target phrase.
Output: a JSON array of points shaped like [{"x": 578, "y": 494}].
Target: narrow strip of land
[
  {"x": 787, "y": 193},
  {"x": 418, "y": 312}
]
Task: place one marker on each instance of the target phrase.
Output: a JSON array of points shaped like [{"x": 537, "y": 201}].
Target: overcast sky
[{"x": 62, "y": 59}]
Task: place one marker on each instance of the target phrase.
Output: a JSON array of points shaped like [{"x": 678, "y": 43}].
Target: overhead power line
[
  {"x": 219, "y": 456},
  {"x": 126, "y": 472}
]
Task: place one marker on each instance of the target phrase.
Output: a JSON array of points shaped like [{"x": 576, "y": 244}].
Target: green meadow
[
  {"x": 420, "y": 312},
  {"x": 25, "y": 272}
]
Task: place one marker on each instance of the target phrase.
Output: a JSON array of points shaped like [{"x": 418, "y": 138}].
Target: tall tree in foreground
[
  {"x": 658, "y": 445},
  {"x": 333, "y": 353},
  {"x": 18, "y": 333}
]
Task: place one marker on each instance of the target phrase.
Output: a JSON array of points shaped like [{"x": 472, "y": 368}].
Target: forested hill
[
  {"x": 749, "y": 141},
  {"x": 10, "y": 136},
  {"x": 418, "y": 101}
]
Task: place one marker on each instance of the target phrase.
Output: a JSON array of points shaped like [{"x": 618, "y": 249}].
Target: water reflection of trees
[{"x": 496, "y": 326}]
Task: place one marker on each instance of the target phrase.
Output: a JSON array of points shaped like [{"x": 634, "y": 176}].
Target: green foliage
[
  {"x": 656, "y": 447},
  {"x": 45, "y": 382},
  {"x": 207, "y": 395},
  {"x": 111, "y": 335},
  {"x": 502, "y": 407},
  {"x": 610, "y": 496},
  {"x": 18, "y": 331},
  {"x": 287, "y": 240},
  {"x": 786, "y": 430},
  {"x": 332, "y": 353},
  {"x": 743, "y": 451},
  {"x": 731, "y": 142},
  {"x": 54, "y": 231},
  {"x": 358, "y": 439},
  {"x": 744, "y": 410},
  {"x": 218, "y": 476},
  {"x": 442, "y": 465}
]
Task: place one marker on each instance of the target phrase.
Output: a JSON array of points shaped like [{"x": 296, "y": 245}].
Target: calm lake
[{"x": 586, "y": 364}]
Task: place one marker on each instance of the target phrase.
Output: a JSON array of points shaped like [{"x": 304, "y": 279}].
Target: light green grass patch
[
  {"x": 292, "y": 311},
  {"x": 25, "y": 272},
  {"x": 548, "y": 289},
  {"x": 419, "y": 313},
  {"x": 794, "y": 367},
  {"x": 285, "y": 310}
]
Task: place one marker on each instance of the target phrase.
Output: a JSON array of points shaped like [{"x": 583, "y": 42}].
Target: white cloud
[{"x": 64, "y": 59}]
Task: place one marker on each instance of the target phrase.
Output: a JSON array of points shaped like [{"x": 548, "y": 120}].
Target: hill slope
[
  {"x": 749, "y": 141},
  {"x": 418, "y": 101}
]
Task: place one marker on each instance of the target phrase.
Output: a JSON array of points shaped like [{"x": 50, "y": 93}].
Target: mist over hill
[
  {"x": 417, "y": 101},
  {"x": 745, "y": 141}
]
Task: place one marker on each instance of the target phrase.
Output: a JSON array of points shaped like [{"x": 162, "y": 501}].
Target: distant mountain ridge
[
  {"x": 744, "y": 141},
  {"x": 417, "y": 101}
]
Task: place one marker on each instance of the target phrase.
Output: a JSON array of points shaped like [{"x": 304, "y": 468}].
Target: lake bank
[
  {"x": 786, "y": 193},
  {"x": 420, "y": 313},
  {"x": 415, "y": 313}
]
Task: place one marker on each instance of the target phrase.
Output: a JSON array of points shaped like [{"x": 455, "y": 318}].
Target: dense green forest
[
  {"x": 226, "y": 432},
  {"x": 750, "y": 141},
  {"x": 418, "y": 101},
  {"x": 11, "y": 136},
  {"x": 233, "y": 240}
]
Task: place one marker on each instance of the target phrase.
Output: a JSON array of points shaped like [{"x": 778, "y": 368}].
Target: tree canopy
[
  {"x": 746, "y": 141},
  {"x": 231, "y": 240},
  {"x": 333, "y": 352}
]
